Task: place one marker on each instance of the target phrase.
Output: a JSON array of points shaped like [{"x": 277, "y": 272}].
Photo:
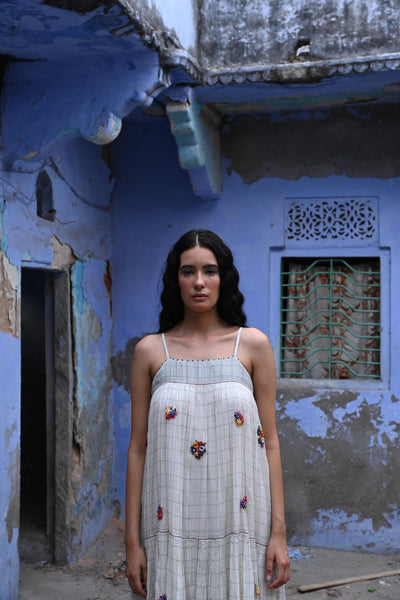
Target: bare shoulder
[
  {"x": 149, "y": 353},
  {"x": 255, "y": 352},
  {"x": 255, "y": 340},
  {"x": 148, "y": 344}
]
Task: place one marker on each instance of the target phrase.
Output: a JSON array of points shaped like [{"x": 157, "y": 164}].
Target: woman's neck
[{"x": 198, "y": 325}]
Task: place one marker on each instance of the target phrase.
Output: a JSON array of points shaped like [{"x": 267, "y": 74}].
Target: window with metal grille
[{"x": 330, "y": 318}]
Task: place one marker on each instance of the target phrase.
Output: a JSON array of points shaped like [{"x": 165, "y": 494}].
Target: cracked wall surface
[
  {"x": 77, "y": 243},
  {"x": 92, "y": 430},
  {"x": 9, "y": 299}
]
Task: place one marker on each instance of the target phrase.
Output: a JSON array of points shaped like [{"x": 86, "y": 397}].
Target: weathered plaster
[
  {"x": 349, "y": 463},
  {"x": 80, "y": 233},
  {"x": 9, "y": 465},
  {"x": 63, "y": 256},
  {"x": 12, "y": 518},
  {"x": 235, "y": 32},
  {"x": 92, "y": 430},
  {"x": 338, "y": 528},
  {"x": 121, "y": 364},
  {"x": 314, "y": 144},
  {"x": 82, "y": 207},
  {"x": 9, "y": 296}
]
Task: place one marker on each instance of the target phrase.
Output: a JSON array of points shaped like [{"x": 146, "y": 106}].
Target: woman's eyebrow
[{"x": 203, "y": 266}]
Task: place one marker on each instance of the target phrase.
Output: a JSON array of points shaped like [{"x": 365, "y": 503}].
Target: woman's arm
[
  {"x": 264, "y": 381},
  {"x": 136, "y": 564}
]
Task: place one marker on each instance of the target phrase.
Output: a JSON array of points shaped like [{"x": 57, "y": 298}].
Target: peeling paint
[
  {"x": 63, "y": 255},
  {"x": 347, "y": 476},
  {"x": 77, "y": 287},
  {"x": 8, "y": 434},
  {"x": 121, "y": 364},
  {"x": 9, "y": 297},
  {"x": 107, "y": 130},
  {"x": 3, "y": 237},
  {"x": 310, "y": 418},
  {"x": 339, "y": 529},
  {"x": 92, "y": 426},
  {"x": 12, "y": 518},
  {"x": 26, "y": 255}
]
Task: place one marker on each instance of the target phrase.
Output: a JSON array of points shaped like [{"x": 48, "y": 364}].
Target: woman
[{"x": 204, "y": 483}]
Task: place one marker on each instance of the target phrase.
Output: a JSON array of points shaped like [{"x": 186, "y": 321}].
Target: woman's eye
[
  {"x": 186, "y": 271},
  {"x": 211, "y": 271}
]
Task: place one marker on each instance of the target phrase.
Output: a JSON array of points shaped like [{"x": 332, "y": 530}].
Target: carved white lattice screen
[{"x": 324, "y": 221}]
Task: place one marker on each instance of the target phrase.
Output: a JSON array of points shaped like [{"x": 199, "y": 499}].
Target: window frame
[{"x": 274, "y": 317}]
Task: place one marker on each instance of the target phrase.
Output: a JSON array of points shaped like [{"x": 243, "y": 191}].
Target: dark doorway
[
  {"x": 46, "y": 416},
  {"x": 37, "y": 494}
]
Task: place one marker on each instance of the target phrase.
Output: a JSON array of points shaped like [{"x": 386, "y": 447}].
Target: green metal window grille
[{"x": 330, "y": 318}]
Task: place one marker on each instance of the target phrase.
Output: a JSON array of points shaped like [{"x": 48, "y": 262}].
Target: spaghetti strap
[
  {"x": 237, "y": 341},
  {"x": 165, "y": 346}
]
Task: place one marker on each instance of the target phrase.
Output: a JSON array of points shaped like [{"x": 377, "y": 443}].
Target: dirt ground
[{"x": 99, "y": 575}]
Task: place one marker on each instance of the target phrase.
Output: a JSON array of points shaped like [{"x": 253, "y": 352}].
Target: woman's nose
[{"x": 199, "y": 280}]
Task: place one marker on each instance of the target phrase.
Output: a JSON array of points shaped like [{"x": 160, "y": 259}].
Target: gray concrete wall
[{"x": 240, "y": 33}]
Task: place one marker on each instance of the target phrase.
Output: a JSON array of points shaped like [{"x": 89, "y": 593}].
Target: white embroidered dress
[{"x": 206, "y": 500}]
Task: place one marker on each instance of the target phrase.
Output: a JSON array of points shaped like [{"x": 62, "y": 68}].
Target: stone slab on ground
[{"x": 99, "y": 575}]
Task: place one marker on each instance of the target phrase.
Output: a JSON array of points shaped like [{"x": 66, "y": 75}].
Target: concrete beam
[{"x": 196, "y": 128}]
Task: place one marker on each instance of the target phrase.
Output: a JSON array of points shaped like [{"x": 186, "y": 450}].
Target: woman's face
[{"x": 199, "y": 279}]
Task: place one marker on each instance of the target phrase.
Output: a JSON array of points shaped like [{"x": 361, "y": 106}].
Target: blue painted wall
[
  {"x": 79, "y": 242},
  {"x": 332, "y": 434},
  {"x": 9, "y": 465}
]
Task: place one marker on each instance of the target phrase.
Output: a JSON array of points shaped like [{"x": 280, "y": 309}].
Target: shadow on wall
[{"x": 357, "y": 142}]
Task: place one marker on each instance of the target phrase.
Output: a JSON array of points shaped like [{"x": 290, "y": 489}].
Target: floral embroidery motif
[
  {"x": 160, "y": 512},
  {"x": 163, "y": 597},
  {"x": 260, "y": 436},
  {"x": 258, "y": 590},
  {"x": 243, "y": 503},
  {"x": 170, "y": 413},
  {"x": 239, "y": 418},
  {"x": 198, "y": 449}
]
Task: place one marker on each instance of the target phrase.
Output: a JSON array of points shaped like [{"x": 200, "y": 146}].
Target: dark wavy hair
[{"x": 230, "y": 299}]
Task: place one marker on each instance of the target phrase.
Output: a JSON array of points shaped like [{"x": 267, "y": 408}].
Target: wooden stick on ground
[{"x": 319, "y": 586}]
